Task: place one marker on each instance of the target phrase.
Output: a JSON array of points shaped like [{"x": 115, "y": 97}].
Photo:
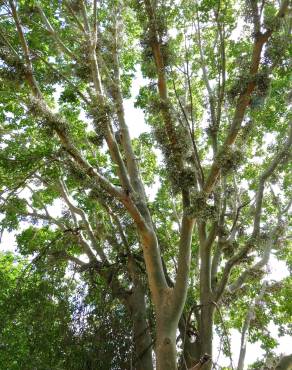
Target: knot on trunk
[{"x": 167, "y": 341}]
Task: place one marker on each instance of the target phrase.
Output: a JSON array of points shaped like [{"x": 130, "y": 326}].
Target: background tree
[
  {"x": 212, "y": 103},
  {"x": 50, "y": 321}
]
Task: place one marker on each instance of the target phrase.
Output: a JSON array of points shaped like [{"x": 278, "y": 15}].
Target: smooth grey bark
[
  {"x": 246, "y": 325},
  {"x": 141, "y": 331},
  {"x": 206, "y": 297},
  {"x": 165, "y": 342},
  {"x": 206, "y": 332},
  {"x": 170, "y": 307}
]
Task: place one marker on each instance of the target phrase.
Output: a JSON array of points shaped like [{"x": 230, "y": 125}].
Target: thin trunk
[
  {"x": 241, "y": 358},
  {"x": 249, "y": 316}
]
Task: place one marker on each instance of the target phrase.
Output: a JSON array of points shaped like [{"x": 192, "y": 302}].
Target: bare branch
[
  {"x": 85, "y": 16},
  {"x": 280, "y": 156},
  {"x": 29, "y": 69},
  {"x": 182, "y": 277},
  {"x": 205, "y": 73},
  {"x": 119, "y": 226},
  {"x": 54, "y": 34},
  {"x": 222, "y": 81},
  {"x": 196, "y": 158},
  {"x": 246, "y": 325},
  {"x": 163, "y": 91},
  {"x": 255, "y": 17},
  {"x": 233, "y": 228},
  {"x": 76, "y": 210},
  {"x": 131, "y": 160},
  {"x": 257, "y": 267},
  {"x": 71, "y": 11},
  {"x": 272, "y": 239},
  {"x": 65, "y": 256},
  {"x": 94, "y": 27},
  {"x": 205, "y": 259},
  {"x": 244, "y": 99}
]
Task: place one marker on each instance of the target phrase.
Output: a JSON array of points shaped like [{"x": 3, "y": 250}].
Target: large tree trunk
[
  {"x": 165, "y": 343},
  {"x": 206, "y": 296}
]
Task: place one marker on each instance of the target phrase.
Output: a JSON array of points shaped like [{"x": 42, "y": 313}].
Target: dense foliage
[{"x": 133, "y": 252}]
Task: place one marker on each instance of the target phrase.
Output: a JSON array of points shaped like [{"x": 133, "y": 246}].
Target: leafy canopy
[{"x": 84, "y": 199}]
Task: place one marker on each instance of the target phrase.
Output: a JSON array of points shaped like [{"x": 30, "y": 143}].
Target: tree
[
  {"x": 212, "y": 101},
  {"x": 49, "y": 323}
]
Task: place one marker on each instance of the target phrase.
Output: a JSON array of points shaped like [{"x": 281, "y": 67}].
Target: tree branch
[
  {"x": 246, "y": 325},
  {"x": 280, "y": 156},
  {"x": 244, "y": 98},
  {"x": 249, "y": 272},
  {"x": 131, "y": 160},
  {"x": 205, "y": 74},
  {"x": 205, "y": 258},
  {"x": 184, "y": 257},
  {"x": 71, "y": 11},
  {"x": 54, "y": 34},
  {"x": 163, "y": 92},
  {"x": 81, "y": 213},
  {"x": 29, "y": 69},
  {"x": 65, "y": 256}
]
